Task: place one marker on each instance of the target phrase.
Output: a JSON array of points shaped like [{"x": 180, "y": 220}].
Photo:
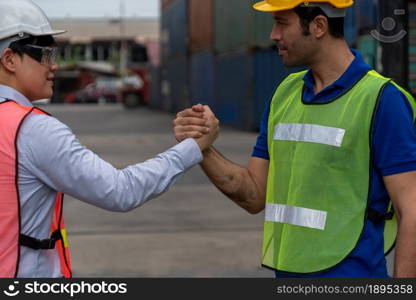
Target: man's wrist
[{"x": 209, "y": 151}]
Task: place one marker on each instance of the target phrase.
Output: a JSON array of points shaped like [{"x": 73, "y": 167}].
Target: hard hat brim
[
  {"x": 53, "y": 32},
  {"x": 265, "y": 7}
]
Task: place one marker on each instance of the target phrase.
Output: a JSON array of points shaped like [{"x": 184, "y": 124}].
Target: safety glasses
[{"x": 45, "y": 55}]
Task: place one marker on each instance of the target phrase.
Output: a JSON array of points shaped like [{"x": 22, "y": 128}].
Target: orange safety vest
[{"x": 12, "y": 116}]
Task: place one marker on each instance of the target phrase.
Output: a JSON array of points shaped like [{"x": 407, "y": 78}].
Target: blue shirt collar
[
  {"x": 8, "y": 93},
  {"x": 351, "y": 76}
]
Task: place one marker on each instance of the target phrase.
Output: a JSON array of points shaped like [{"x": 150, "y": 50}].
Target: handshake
[{"x": 198, "y": 122}]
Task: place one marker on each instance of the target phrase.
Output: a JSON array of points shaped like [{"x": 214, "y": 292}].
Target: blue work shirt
[{"x": 394, "y": 152}]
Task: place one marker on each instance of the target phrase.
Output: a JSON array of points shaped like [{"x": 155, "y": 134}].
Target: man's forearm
[
  {"x": 405, "y": 263},
  {"x": 234, "y": 181}
]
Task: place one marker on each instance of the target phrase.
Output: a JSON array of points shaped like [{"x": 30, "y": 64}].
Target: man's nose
[{"x": 275, "y": 34}]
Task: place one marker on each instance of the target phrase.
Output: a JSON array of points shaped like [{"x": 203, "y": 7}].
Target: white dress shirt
[{"x": 52, "y": 159}]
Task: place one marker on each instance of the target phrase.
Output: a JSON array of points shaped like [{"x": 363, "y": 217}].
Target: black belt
[
  {"x": 378, "y": 217},
  {"x": 36, "y": 244}
]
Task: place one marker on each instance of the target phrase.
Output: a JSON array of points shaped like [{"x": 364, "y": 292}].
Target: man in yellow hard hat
[{"x": 334, "y": 166}]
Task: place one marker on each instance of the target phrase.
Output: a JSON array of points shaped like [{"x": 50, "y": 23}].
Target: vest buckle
[{"x": 377, "y": 217}]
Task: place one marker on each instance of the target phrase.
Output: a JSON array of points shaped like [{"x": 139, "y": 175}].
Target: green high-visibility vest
[{"x": 319, "y": 175}]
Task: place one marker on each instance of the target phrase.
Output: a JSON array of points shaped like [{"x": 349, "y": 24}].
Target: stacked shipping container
[
  {"x": 228, "y": 48},
  {"x": 218, "y": 53},
  {"x": 203, "y": 67},
  {"x": 175, "y": 61},
  {"x": 367, "y": 17}
]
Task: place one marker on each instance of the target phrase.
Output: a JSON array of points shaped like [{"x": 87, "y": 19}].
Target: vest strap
[
  {"x": 378, "y": 217},
  {"x": 36, "y": 244}
]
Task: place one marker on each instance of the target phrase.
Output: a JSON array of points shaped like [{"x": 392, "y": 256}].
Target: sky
[{"x": 99, "y": 8}]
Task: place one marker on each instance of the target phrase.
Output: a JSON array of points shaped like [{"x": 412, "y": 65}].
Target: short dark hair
[{"x": 308, "y": 14}]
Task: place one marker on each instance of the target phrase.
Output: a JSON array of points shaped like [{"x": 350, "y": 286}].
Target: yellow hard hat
[{"x": 278, "y": 5}]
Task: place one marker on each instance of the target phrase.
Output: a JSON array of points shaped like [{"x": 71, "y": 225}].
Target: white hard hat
[{"x": 23, "y": 17}]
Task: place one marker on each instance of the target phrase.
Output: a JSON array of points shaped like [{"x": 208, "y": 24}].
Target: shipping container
[
  {"x": 165, "y": 102},
  {"x": 201, "y": 29},
  {"x": 174, "y": 21},
  {"x": 164, "y": 36},
  {"x": 245, "y": 83},
  {"x": 368, "y": 47},
  {"x": 234, "y": 85},
  {"x": 233, "y": 24},
  {"x": 177, "y": 77},
  {"x": 155, "y": 96},
  {"x": 202, "y": 80},
  {"x": 263, "y": 25},
  {"x": 269, "y": 71},
  {"x": 351, "y": 27},
  {"x": 165, "y": 3},
  {"x": 367, "y": 14}
]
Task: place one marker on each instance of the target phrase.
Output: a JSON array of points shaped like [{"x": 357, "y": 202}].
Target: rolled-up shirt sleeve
[{"x": 59, "y": 160}]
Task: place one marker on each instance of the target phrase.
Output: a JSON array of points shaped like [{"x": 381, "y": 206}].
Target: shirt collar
[
  {"x": 8, "y": 93},
  {"x": 355, "y": 72}
]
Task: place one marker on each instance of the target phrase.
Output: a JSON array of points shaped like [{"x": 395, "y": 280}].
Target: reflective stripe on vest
[
  {"x": 309, "y": 133},
  {"x": 12, "y": 115},
  {"x": 300, "y": 216},
  {"x": 318, "y": 182}
]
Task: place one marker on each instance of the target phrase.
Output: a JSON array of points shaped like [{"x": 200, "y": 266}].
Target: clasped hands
[{"x": 198, "y": 122}]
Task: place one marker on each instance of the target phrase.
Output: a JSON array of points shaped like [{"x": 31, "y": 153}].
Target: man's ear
[
  {"x": 9, "y": 60},
  {"x": 319, "y": 26}
]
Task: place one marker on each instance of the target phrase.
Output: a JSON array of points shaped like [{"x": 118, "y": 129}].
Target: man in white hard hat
[
  {"x": 337, "y": 149},
  {"x": 40, "y": 158}
]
